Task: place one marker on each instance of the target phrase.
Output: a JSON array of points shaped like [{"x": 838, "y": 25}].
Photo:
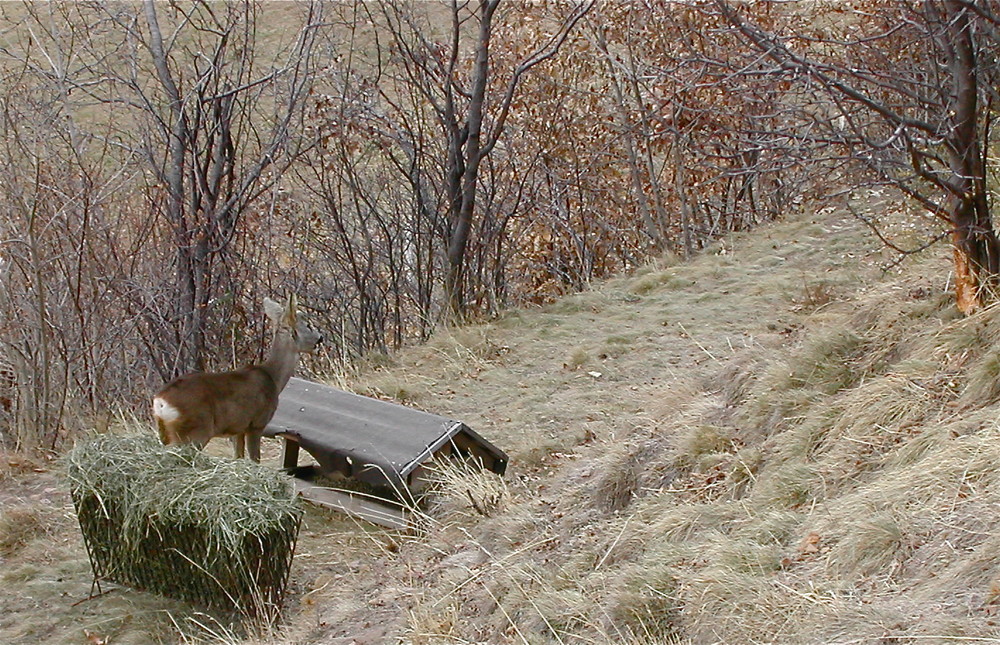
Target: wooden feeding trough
[{"x": 384, "y": 446}]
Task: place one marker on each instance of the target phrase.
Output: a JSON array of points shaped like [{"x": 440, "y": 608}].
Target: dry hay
[{"x": 183, "y": 524}]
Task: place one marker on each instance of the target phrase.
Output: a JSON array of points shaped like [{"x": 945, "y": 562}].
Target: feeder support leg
[{"x": 291, "y": 457}]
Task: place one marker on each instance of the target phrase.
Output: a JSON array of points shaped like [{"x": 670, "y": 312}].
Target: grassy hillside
[{"x": 774, "y": 443}]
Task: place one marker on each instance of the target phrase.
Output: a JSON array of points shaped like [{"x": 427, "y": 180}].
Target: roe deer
[{"x": 238, "y": 404}]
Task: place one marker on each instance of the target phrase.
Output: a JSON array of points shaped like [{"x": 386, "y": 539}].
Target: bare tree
[
  {"x": 137, "y": 141},
  {"x": 62, "y": 248},
  {"x": 909, "y": 89},
  {"x": 471, "y": 109},
  {"x": 214, "y": 143}
]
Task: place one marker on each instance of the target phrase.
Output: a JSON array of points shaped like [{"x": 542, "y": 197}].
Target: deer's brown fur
[{"x": 198, "y": 407}]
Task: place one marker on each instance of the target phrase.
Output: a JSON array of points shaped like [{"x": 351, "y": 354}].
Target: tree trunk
[
  {"x": 455, "y": 281},
  {"x": 190, "y": 343},
  {"x": 973, "y": 238}
]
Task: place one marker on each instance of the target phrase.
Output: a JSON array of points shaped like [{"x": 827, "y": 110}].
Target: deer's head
[{"x": 288, "y": 324}]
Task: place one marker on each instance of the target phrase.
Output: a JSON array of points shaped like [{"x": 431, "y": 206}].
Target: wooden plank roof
[{"x": 375, "y": 441}]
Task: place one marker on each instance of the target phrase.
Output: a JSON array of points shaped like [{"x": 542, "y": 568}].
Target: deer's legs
[
  {"x": 253, "y": 444},
  {"x": 239, "y": 445}
]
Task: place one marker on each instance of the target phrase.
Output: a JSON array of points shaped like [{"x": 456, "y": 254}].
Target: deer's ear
[
  {"x": 273, "y": 310},
  {"x": 290, "y": 310}
]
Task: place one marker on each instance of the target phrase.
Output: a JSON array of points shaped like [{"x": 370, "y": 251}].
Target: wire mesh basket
[{"x": 174, "y": 521}]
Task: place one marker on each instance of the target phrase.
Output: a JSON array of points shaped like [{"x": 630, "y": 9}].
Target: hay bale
[{"x": 177, "y": 522}]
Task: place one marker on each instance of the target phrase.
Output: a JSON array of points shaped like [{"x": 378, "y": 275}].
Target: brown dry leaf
[
  {"x": 810, "y": 543},
  {"x": 94, "y": 638},
  {"x": 994, "y": 593}
]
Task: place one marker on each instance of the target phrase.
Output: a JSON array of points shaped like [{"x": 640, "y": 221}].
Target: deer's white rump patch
[{"x": 165, "y": 411}]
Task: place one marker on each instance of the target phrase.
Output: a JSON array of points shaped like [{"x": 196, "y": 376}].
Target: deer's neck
[{"x": 283, "y": 359}]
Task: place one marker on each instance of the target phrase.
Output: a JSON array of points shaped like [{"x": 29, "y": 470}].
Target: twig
[
  {"x": 95, "y": 595},
  {"x": 475, "y": 504},
  {"x": 695, "y": 341},
  {"x": 614, "y": 544}
]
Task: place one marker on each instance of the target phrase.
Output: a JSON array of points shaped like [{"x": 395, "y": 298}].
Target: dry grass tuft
[
  {"x": 19, "y": 525},
  {"x": 870, "y": 421},
  {"x": 875, "y": 544},
  {"x": 468, "y": 349},
  {"x": 648, "y": 600},
  {"x": 387, "y": 385},
  {"x": 577, "y": 358},
  {"x": 793, "y": 484},
  {"x": 461, "y": 486},
  {"x": 429, "y": 625},
  {"x": 698, "y": 443},
  {"x": 653, "y": 281},
  {"x": 982, "y": 384},
  {"x": 619, "y": 480},
  {"x": 826, "y": 361}
]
